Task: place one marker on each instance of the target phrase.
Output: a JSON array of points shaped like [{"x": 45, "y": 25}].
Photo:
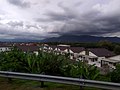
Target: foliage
[
  {"x": 117, "y": 49},
  {"x": 81, "y": 70},
  {"x": 115, "y": 75},
  {"x": 46, "y": 63},
  {"x": 12, "y": 61}
]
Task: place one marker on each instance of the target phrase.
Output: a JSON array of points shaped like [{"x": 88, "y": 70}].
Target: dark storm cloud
[
  {"x": 91, "y": 23},
  {"x": 91, "y": 27},
  {"x": 19, "y": 3},
  {"x": 52, "y": 16},
  {"x": 59, "y": 16}
]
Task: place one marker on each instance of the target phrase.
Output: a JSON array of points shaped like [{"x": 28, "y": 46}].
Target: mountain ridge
[
  {"x": 67, "y": 38},
  {"x": 80, "y": 38}
]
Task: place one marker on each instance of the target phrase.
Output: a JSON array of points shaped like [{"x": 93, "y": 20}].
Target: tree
[
  {"x": 106, "y": 44},
  {"x": 82, "y": 70},
  {"x": 117, "y": 49},
  {"x": 115, "y": 75},
  {"x": 12, "y": 61}
]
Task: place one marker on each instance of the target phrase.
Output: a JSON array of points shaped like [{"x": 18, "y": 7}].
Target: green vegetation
[
  {"x": 81, "y": 70},
  {"x": 115, "y": 75},
  {"x": 52, "y": 64},
  {"x": 46, "y": 63}
]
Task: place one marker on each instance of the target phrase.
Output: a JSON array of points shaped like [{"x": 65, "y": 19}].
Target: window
[
  {"x": 110, "y": 62},
  {"x": 114, "y": 64},
  {"x": 93, "y": 59}
]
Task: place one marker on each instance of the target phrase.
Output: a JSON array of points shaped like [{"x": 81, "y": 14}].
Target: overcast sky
[{"x": 38, "y": 19}]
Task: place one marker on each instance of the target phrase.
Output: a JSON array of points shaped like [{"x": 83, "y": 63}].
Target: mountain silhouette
[{"x": 80, "y": 38}]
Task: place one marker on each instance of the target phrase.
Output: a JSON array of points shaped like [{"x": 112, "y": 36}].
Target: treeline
[{"x": 115, "y": 47}]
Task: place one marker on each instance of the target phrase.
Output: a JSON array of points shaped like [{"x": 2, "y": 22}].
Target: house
[
  {"x": 53, "y": 48},
  {"x": 44, "y": 47},
  {"x": 111, "y": 61},
  {"x": 74, "y": 52},
  {"x": 4, "y": 48},
  {"x": 61, "y": 49},
  {"x": 28, "y": 48},
  {"x": 95, "y": 55}
]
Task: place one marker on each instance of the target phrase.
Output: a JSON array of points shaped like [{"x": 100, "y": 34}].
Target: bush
[{"x": 115, "y": 75}]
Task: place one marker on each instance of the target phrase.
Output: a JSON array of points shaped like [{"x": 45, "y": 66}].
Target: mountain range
[
  {"x": 80, "y": 38},
  {"x": 67, "y": 38}
]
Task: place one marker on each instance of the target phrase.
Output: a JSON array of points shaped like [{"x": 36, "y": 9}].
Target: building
[
  {"x": 74, "y": 52},
  {"x": 95, "y": 55},
  {"x": 4, "y": 48},
  {"x": 111, "y": 61},
  {"x": 28, "y": 48}
]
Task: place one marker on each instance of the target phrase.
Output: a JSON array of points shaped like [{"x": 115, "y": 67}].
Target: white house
[
  {"x": 111, "y": 61},
  {"x": 5, "y": 48},
  {"x": 95, "y": 55},
  {"x": 74, "y": 52}
]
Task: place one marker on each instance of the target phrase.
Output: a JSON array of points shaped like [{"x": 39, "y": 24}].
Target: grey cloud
[
  {"x": 77, "y": 4},
  {"x": 58, "y": 16},
  {"x": 91, "y": 28},
  {"x": 53, "y": 16},
  {"x": 34, "y": 26},
  {"x": 15, "y": 23},
  {"x": 20, "y": 3},
  {"x": 91, "y": 23},
  {"x": 17, "y": 34}
]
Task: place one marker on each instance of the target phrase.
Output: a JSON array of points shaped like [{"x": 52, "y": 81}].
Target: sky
[{"x": 39, "y": 19}]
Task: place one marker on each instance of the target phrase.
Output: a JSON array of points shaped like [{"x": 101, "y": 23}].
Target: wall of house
[
  {"x": 95, "y": 62},
  {"x": 82, "y": 53},
  {"x": 110, "y": 64},
  {"x": 36, "y": 52},
  {"x": 66, "y": 50},
  {"x": 115, "y": 58},
  {"x": 3, "y": 49},
  {"x": 92, "y": 54}
]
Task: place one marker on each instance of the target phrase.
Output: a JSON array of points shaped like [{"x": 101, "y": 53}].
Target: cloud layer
[
  {"x": 38, "y": 19},
  {"x": 19, "y": 3}
]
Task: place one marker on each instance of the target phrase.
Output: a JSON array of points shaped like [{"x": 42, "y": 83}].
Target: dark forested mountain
[
  {"x": 81, "y": 38},
  {"x": 67, "y": 38}
]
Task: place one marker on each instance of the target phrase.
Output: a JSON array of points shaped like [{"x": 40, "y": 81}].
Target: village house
[
  {"x": 5, "y": 47},
  {"x": 95, "y": 55},
  {"x": 111, "y": 61},
  {"x": 28, "y": 48},
  {"x": 44, "y": 47},
  {"x": 74, "y": 52}
]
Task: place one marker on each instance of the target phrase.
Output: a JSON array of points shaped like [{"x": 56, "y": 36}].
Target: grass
[{"x": 17, "y": 84}]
